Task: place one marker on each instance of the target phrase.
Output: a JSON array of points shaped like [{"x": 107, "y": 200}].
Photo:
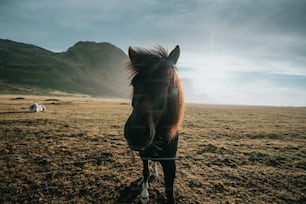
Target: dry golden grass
[{"x": 76, "y": 152}]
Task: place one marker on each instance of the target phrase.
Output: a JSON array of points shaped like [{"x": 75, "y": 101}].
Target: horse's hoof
[{"x": 144, "y": 200}]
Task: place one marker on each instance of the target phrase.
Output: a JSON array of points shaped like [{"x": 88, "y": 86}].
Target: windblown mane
[
  {"x": 173, "y": 115},
  {"x": 175, "y": 108}
]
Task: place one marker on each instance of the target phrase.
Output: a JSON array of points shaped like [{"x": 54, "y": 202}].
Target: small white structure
[{"x": 35, "y": 107}]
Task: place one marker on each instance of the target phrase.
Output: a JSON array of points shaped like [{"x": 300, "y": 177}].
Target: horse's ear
[
  {"x": 174, "y": 54},
  {"x": 132, "y": 54}
]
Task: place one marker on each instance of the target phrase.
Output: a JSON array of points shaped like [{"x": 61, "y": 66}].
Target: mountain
[{"x": 91, "y": 68}]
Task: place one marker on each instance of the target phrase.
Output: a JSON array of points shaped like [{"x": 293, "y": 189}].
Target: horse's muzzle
[{"x": 139, "y": 136}]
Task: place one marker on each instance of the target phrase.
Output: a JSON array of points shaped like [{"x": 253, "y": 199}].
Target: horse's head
[{"x": 154, "y": 76}]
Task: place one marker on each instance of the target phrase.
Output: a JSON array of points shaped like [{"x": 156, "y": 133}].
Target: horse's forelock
[{"x": 143, "y": 60}]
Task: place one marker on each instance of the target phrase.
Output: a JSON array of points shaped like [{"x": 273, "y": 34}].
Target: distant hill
[{"x": 87, "y": 68}]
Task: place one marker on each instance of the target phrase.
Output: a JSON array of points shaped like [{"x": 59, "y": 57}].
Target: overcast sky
[{"x": 232, "y": 52}]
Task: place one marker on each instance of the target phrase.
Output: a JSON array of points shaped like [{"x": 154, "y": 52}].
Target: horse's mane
[{"x": 175, "y": 108}]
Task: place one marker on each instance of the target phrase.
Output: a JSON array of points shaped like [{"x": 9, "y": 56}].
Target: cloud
[
  {"x": 280, "y": 80},
  {"x": 217, "y": 38}
]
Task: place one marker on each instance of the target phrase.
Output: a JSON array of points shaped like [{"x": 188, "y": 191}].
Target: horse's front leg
[
  {"x": 144, "y": 196},
  {"x": 154, "y": 169},
  {"x": 169, "y": 169}
]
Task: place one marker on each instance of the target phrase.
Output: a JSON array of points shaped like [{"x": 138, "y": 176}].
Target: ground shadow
[{"x": 130, "y": 194}]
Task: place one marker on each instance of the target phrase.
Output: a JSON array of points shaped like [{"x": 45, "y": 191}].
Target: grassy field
[{"x": 76, "y": 153}]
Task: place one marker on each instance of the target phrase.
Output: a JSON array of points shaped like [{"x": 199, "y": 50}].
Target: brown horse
[{"x": 158, "y": 106}]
